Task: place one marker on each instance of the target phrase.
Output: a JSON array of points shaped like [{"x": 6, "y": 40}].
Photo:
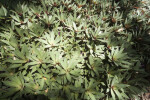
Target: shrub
[{"x": 75, "y": 49}]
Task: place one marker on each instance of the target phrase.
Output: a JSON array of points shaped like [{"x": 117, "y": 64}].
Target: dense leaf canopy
[{"x": 74, "y": 49}]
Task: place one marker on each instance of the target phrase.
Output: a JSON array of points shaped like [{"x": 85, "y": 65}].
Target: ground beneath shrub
[{"x": 146, "y": 96}]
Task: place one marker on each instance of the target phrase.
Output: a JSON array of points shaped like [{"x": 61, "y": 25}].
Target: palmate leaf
[
  {"x": 21, "y": 9},
  {"x": 38, "y": 56},
  {"x": 16, "y": 84},
  {"x": 37, "y": 30},
  {"x": 95, "y": 65},
  {"x": 31, "y": 87},
  {"x": 77, "y": 28},
  {"x": 72, "y": 63},
  {"x": 92, "y": 96},
  {"x": 61, "y": 16},
  {"x": 75, "y": 72},
  {"x": 9, "y": 93},
  {"x": 48, "y": 19},
  {"x": 34, "y": 68},
  {"x": 90, "y": 91},
  {"x": 16, "y": 18},
  {"x": 96, "y": 33},
  {"x": 118, "y": 94},
  {"x": 113, "y": 95},
  {"x": 15, "y": 66},
  {"x": 118, "y": 89},
  {"x": 20, "y": 31},
  {"x": 35, "y": 10},
  {"x": 3, "y": 12},
  {"x": 19, "y": 57},
  {"x": 50, "y": 40},
  {"x": 56, "y": 56},
  {"x": 75, "y": 17},
  {"x": 117, "y": 53},
  {"x": 19, "y": 54},
  {"x": 13, "y": 42},
  {"x": 16, "y": 61},
  {"x": 42, "y": 83},
  {"x": 67, "y": 69},
  {"x": 119, "y": 57},
  {"x": 68, "y": 77}
]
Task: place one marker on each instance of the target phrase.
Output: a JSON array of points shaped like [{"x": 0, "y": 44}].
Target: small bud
[
  {"x": 127, "y": 26},
  {"x": 139, "y": 38},
  {"x": 113, "y": 20},
  {"x": 149, "y": 33},
  {"x": 144, "y": 2},
  {"x": 46, "y": 12},
  {"x": 120, "y": 30},
  {"x": 20, "y": 14},
  {"x": 54, "y": 4},
  {"x": 69, "y": 9},
  {"x": 30, "y": 20},
  {"x": 59, "y": 33},
  {"x": 45, "y": 78},
  {"x": 37, "y": 15},
  {"x": 14, "y": 58},
  {"x": 79, "y": 6},
  {"x": 46, "y": 90},
  {"x": 104, "y": 19},
  {"x": 21, "y": 22},
  {"x": 11, "y": 73}
]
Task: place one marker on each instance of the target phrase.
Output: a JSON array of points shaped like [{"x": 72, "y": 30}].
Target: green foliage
[{"x": 74, "y": 49}]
